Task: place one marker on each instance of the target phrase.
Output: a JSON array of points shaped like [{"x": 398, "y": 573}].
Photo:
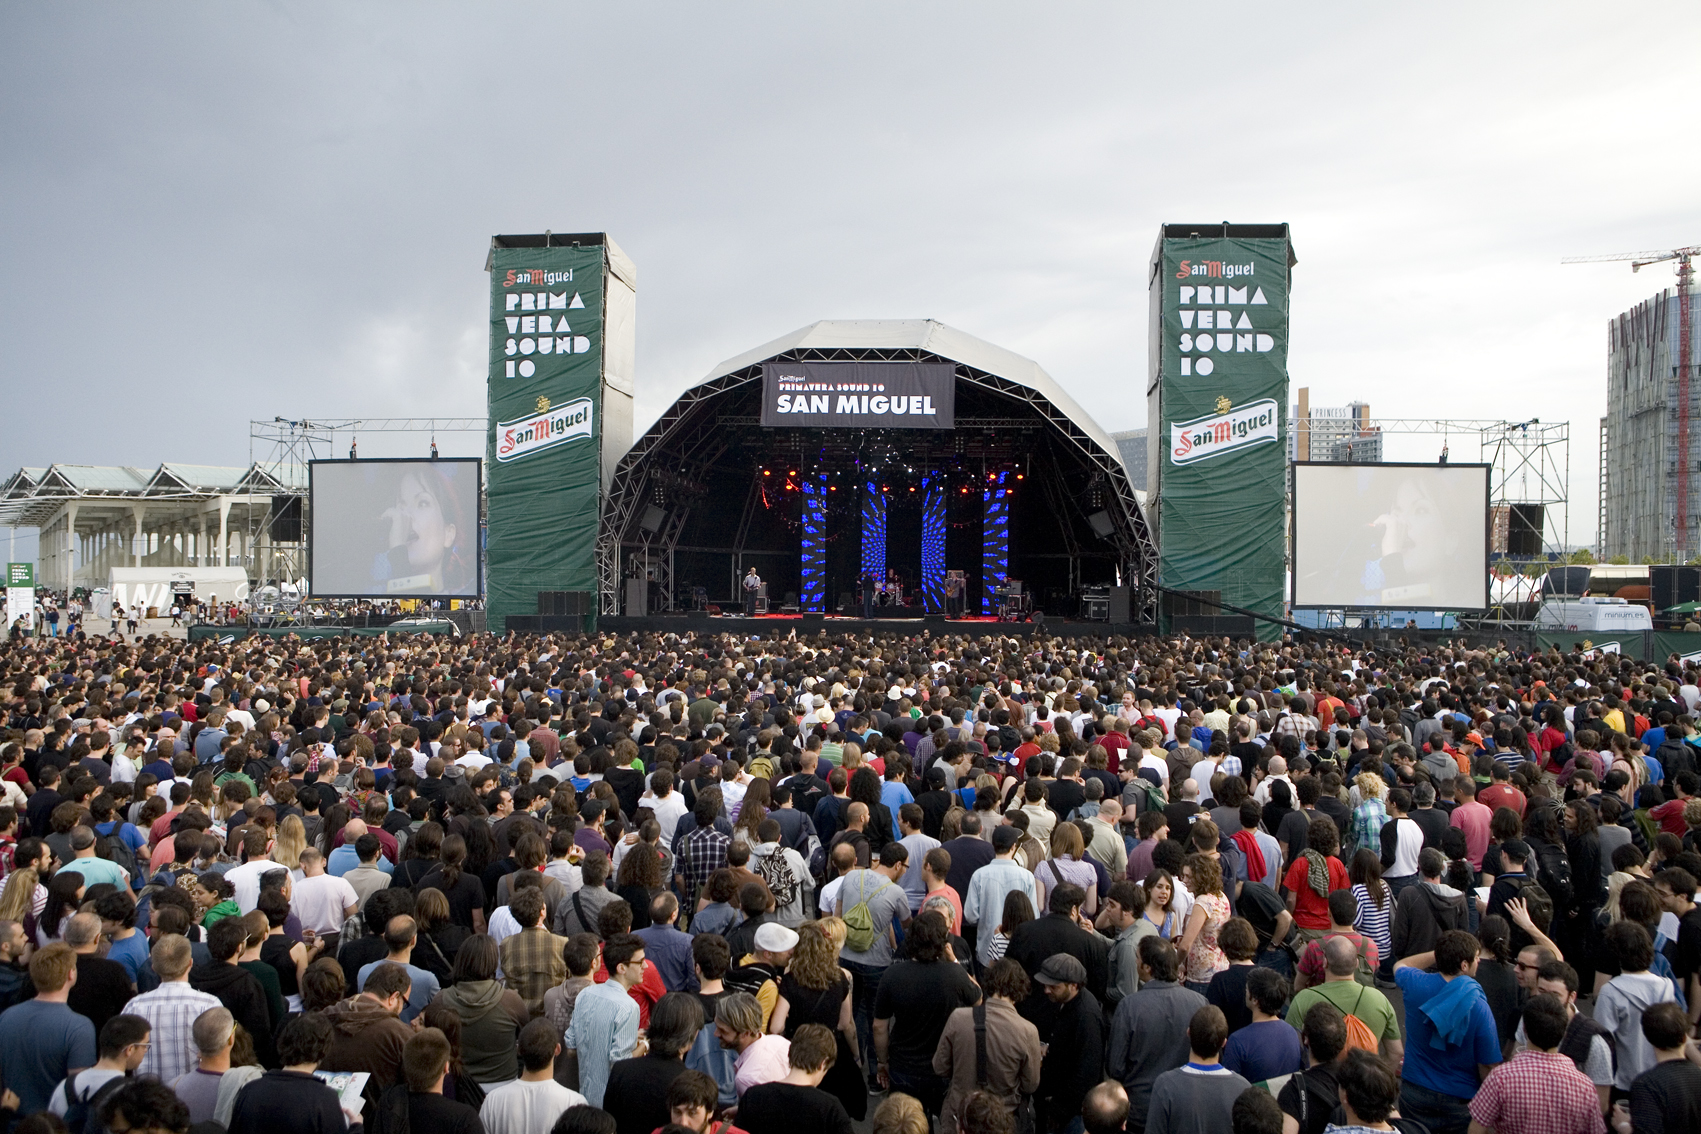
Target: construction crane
[{"x": 1638, "y": 261}]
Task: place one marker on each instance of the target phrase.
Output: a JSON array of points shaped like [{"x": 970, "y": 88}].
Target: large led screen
[
  {"x": 1395, "y": 536},
  {"x": 394, "y": 529}
]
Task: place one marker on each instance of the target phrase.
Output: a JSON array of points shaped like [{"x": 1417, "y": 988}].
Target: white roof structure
[{"x": 93, "y": 518}]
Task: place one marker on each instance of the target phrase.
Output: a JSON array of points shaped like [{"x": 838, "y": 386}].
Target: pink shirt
[
  {"x": 1473, "y": 818},
  {"x": 768, "y": 1060}
]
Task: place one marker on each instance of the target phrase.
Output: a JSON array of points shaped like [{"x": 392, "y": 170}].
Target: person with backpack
[
  {"x": 785, "y": 872},
  {"x": 1371, "y": 1023},
  {"x": 1310, "y": 1096},
  {"x": 1343, "y": 914},
  {"x": 1453, "y": 1036},
  {"x": 78, "y": 1098},
  {"x": 1422, "y": 913},
  {"x": 871, "y": 903}
]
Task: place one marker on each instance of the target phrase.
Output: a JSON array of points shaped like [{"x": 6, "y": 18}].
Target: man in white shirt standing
[
  {"x": 535, "y": 1100},
  {"x": 667, "y": 803},
  {"x": 322, "y": 901}
]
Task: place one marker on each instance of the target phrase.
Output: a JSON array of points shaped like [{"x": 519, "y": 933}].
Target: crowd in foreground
[{"x": 710, "y": 885}]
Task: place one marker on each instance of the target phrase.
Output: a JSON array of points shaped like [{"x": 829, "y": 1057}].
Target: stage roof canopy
[{"x": 712, "y": 423}]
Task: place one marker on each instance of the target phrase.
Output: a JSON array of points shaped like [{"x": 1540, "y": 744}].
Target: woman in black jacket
[{"x": 1583, "y": 847}]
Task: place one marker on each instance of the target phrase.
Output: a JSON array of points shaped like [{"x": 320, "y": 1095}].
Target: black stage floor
[{"x": 780, "y": 624}]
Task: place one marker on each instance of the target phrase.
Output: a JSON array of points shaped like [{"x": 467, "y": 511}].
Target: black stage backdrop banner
[{"x": 859, "y": 395}]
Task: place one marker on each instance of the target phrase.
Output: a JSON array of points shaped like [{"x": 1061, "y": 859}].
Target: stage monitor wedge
[
  {"x": 392, "y": 529},
  {"x": 1391, "y": 536}
]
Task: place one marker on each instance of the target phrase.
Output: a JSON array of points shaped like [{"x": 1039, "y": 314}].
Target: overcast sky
[{"x": 218, "y": 212}]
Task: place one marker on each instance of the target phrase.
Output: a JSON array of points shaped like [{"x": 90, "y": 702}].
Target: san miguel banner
[
  {"x": 845, "y": 395},
  {"x": 545, "y": 398},
  {"x": 1216, "y": 397}
]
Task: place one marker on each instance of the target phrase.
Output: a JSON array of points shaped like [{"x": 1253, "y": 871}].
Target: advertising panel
[
  {"x": 545, "y": 401},
  {"x": 1217, "y": 400},
  {"x": 859, "y": 395}
]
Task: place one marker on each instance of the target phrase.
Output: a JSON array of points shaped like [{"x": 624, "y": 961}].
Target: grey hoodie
[
  {"x": 1423, "y": 913},
  {"x": 1619, "y": 1010}
]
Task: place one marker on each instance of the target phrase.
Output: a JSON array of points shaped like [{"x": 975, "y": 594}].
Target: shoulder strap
[
  {"x": 1359, "y": 999},
  {"x": 979, "y": 1011}
]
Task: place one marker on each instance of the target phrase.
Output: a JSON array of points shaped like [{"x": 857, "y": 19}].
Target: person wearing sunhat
[{"x": 1074, "y": 1060}]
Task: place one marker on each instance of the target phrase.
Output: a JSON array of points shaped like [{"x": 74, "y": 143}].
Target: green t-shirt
[{"x": 1352, "y": 998}]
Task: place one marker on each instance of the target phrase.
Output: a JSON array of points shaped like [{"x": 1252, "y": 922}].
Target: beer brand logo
[
  {"x": 1213, "y": 269},
  {"x": 554, "y": 425},
  {"x": 535, "y": 276},
  {"x": 1228, "y": 430},
  {"x": 1223, "y": 404}
]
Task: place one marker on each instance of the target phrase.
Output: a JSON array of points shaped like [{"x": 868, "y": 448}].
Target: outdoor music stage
[{"x": 1019, "y": 495}]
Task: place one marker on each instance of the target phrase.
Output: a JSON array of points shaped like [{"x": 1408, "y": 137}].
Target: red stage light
[
  {"x": 1018, "y": 476},
  {"x": 912, "y": 488},
  {"x": 765, "y": 472}
]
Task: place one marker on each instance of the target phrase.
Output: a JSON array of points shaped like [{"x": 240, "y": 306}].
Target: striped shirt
[
  {"x": 604, "y": 1030},
  {"x": 1372, "y": 920},
  {"x": 171, "y": 1010}
]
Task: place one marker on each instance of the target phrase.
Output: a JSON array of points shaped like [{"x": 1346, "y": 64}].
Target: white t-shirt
[
  {"x": 519, "y": 1107},
  {"x": 246, "y": 880},
  {"x": 89, "y": 1083},
  {"x": 319, "y": 902}
]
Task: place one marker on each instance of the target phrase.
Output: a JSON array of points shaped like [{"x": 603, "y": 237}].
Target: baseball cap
[
  {"x": 772, "y": 937},
  {"x": 1005, "y": 837},
  {"x": 1061, "y": 968}
]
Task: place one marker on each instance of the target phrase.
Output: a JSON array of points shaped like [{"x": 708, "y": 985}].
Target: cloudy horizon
[{"x": 219, "y": 213}]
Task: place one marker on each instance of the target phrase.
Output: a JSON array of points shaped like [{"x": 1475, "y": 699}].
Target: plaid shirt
[
  {"x": 1538, "y": 1092},
  {"x": 532, "y": 964},
  {"x": 171, "y": 1009},
  {"x": 701, "y": 853}
]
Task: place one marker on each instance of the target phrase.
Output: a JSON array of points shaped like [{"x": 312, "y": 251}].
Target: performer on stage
[
  {"x": 752, "y": 584},
  {"x": 869, "y": 586},
  {"x": 953, "y": 593}
]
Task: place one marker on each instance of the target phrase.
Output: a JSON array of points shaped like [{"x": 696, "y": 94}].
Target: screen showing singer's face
[{"x": 395, "y": 528}]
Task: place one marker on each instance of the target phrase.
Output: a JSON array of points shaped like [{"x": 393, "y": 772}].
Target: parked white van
[{"x": 1596, "y": 614}]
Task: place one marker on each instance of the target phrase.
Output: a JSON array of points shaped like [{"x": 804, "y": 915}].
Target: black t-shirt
[
  {"x": 782, "y": 1108},
  {"x": 1064, "y": 796},
  {"x": 1311, "y": 1097},
  {"x": 465, "y": 896},
  {"x": 1227, "y": 991},
  {"x": 102, "y": 989},
  {"x": 442, "y": 1116},
  {"x": 919, "y": 997},
  {"x": 1666, "y": 1098},
  {"x": 637, "y": 1092},
  {"x": 1295, "y": 831},
  {"x": 1688, "y": 953}
]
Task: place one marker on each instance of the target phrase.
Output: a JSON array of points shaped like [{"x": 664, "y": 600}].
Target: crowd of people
[{"x": 705, "y": 884}]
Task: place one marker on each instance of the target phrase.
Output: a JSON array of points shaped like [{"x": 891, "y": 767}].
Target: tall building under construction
[{"x": 1640, "y": 467}]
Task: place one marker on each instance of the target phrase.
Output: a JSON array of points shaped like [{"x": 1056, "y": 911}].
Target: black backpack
[
  {"x": 1554, "y": 874},
  {"x": 82, "y": 1108}
]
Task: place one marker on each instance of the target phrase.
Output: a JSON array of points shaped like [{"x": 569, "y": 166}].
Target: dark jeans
[
  {"x": 1443, "y": 1114},
  {"x": 928, "y": 1090},
  {"x": 865, "y": 982},
  {"x": 1279, "y": 960}
]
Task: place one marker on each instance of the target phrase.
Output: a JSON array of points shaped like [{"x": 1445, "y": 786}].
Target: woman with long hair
[
  {"x": 1159, "y": 910},
  {"x": 1502, "y": 825},
  {"x": 419, "y": 856},
  {"x": 1018, "y": 911},
  {"x": 336, "y": 818},
  {"x": 1498, "y": 978},
  {"x": 641, "y": 876},
  {"x": 1375, "y": 903},
  {"x": 439, "y": 937},
  {"x": 64, "y": 894},
  {"x": 1369, "y": 816},
  {"x": 1202, "y": 957},
  {"x": 865, "y": 788},
  {"x": 458, "y": 884},
  {"x": 757, "y": 798},
  {"x": 1575, "y": 934},
  {"x": 289, "y": 842},
  {"x": 17, "y": 900}
]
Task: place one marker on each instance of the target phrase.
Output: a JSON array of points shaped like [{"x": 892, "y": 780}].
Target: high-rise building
[
  {"x": 1333, "y": 433},
  {"x": 1639, "y": 435}
]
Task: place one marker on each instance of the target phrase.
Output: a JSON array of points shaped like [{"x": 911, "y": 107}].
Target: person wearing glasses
[{"x": 124, "y": 1041}]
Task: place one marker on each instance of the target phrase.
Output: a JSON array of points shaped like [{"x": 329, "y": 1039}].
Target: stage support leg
[
  {"x": 995, "y": 540},
  {"x": 933, "y": 543},
  {"x": 812, "y": 597}
]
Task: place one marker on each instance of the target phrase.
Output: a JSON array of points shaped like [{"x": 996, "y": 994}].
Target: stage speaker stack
[
  {"x": 1121, "y": 605},
  {"x": 563, "y": 604}
]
